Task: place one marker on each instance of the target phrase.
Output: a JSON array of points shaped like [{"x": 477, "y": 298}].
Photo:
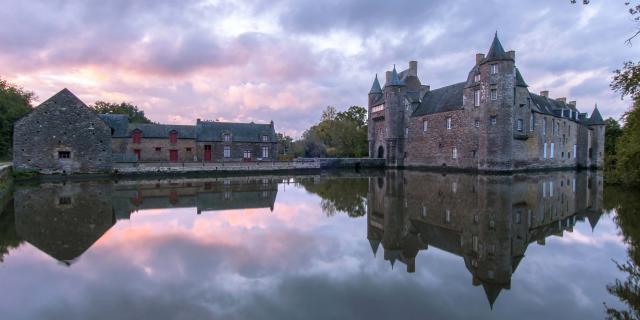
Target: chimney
[
  {"x": 479, "y": 57},
  {"x": 573, "y": 103},
  {"x": 387, "y": 76},
  {"x": 545, "y": 93},
  {"x": 563, "y": 99},
  {"x": 511, "y": 54},
  {"x": 198, "y": 120},
  {"x": 424, "y": 89},
  {"x": 413, "y": 68}
]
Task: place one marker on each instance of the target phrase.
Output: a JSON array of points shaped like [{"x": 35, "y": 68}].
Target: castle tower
[
  {"x": 595, "y": 153},
  {"x": 375, "y": 99},
  {"x": 490, "y": 96}
]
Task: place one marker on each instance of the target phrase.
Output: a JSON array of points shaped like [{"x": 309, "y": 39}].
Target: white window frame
[
  {"x": 477, "y": 123},
  {"x": 544, "y": 151},
  {"x": 265, "y": 138},
  {"x": 226, "y": 151},
  {"x": 265, "y": 152},
  {"x": 532, "y": 122},
  {"x": 493, "y": 120},
  {"x": 476, "y": 77},
  {"x": 494, "y": 94},
  {"x": 552, "y": 151},
  {"x": 476, "y": 98},
  {"x": 494, "y": 68},
  {"x": 406, "y": 132},
  {"x": 226, "y": 137},
  {"x": 520, "y": 125},
  {"x": 449, "y": 123},
  {"x": 574, "y": 151},
  {"x": 425, "y": 125},
  {"x": 454, "y": 153}
]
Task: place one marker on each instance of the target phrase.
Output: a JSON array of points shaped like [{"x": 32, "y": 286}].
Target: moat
[{"x": 382, "y": 244}]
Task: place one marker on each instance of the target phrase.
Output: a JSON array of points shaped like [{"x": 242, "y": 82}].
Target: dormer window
[
  {"x": 494, "y": 68},
  {"x": 136, "y": 136},
  {"x": 226, "y": 137},
  {"x": 173, "y": 137},
  {"x": 476, "y": 78},
  {"x": 265, "y": 138}
]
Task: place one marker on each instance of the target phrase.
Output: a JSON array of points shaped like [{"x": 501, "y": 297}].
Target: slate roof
[
  {"x": 447, "y": 98},
  {"x": 154, "y": 130},
  {"x": 596, "y": 117},
  {"x": 496, "y": 52},
  {"x": 118, "y": 122},
  {"x": 519, "y": 80},
  {"x": 64, "y": 97},
  {"x": 240, "y": 132},
  {"x": 395, "y": 79},
  {"x": 375, "y": 88}
]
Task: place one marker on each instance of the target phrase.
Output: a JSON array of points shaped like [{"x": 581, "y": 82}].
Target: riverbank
[{"x": 6, "y": 183}]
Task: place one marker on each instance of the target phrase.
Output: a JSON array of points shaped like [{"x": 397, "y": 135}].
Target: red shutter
[
  {"x": 136, "y": 136},
  {"x": 173, "y": 155},
  {"x": 173, "y": 137}
]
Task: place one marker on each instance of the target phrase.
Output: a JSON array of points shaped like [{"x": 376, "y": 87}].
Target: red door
[
  {"x": 207, "y": 153},
  {"x": 173, "y": 155},
  {"x": 137, "y": 153}
]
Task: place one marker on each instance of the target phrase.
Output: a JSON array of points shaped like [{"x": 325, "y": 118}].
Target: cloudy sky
[{"x": 285, "y": 60}]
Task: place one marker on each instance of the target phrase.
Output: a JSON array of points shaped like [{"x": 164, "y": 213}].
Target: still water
[{"x": 394, "y": 244}]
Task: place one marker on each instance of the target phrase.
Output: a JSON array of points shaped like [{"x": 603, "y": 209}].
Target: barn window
[
  {"x": 173, "y": 137},
  {"x": 64, "y": 154},
  {"x": 136, "y": 136}
]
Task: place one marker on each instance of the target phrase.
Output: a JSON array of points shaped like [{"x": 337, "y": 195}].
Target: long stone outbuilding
[
  {"x": 64, "y": 135},
  {"x": 489, "y": 122}
]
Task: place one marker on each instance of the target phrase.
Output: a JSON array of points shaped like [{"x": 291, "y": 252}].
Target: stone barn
[{"x": 62, "y": 135}]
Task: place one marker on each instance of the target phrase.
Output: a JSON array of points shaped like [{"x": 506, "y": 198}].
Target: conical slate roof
[
  {"x": 395, "y": 79},
  {"x": 596, "y": 118},
  {"x": 492, "y": 291},
  {"x": 375, "y": 88},
  {"x": 374, "y": 245},
  {"x": 496, "y": 52},
  {"x": 519, "y": 80}
]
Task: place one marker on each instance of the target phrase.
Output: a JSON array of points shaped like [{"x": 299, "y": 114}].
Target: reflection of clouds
[{"x": 292, "y": 263}]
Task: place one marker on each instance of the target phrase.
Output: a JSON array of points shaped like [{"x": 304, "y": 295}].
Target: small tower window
[
  {"x": 449, "y": 124},
  {"x": 476, "y": 78},
  {"x": 476, "y": 98},
  {"x": 454, "y": 153},
  {"x": 493, "y": 120},
  {"x": 494, "y": 68},
  {"x": 477, "y": 123},
  {"x": 425, "y": 125},
  {"x": 494, "y": 94}
]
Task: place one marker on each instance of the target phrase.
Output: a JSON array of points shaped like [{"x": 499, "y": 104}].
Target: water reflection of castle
[
  {"x": 487, "y": 220},
  {"x": 65, "y": 219}
]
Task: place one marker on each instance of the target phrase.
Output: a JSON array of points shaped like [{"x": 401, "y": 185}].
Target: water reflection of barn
[
  {"x": 487, "y": 220},
  {"x": 66, "y": 219}
]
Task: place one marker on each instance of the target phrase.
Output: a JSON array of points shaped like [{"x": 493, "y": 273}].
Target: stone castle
[
  {"x": 489, "y": 122},
  {"x": 63, "y": 135}
]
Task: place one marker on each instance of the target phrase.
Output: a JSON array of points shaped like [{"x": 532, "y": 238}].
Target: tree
[
  {"x": 628, "y": 148},
  {"x": 15, "y": 102},
  {"x": 613, "y": 132},
  {"x": 135, "y": 115}
]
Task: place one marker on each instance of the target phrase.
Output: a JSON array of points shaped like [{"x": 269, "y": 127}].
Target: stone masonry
[{"x": 490, "y": 122}]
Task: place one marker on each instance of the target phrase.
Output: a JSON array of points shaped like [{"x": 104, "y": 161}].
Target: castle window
[
  {"x": 265, "y": 152},
  {"x": 64, "y": 154},
  {"x": 493, "y": 120},
  {"x": 551, "y": 152},
  {"x": 476, "y": 98},
  {"x": 544, "y": 126},
  {"x": 544, "y": 151},
  {"x": 227, "y": 152},
  {"x": 425, "y": 125},
  {"x": 519, "y": 124},
  {"x": 173, "y": 137},
  {"x": 454, "y": 153},
  {"x": 494, "y": 68},
  {"x": 449, "y": 124},
  {"x": 64, "y": 200},
  {"x": 226, "y": 137},
  {"x": 158, "y": 149},
  {"x": 188, "y": 149},
  {"x": 406, "y": 132},
  {"x": 136, "y": 136},
  {"x": 532, "y": 122},
  {"x": 476, "y": 78},
  {"x": 494, "y": 94},
  {"x": 265, "y": 138},
  {"x": 477, "y": 123},
  {"x": 377, "y": 108},
  {"x": 574, "y": 151}
]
